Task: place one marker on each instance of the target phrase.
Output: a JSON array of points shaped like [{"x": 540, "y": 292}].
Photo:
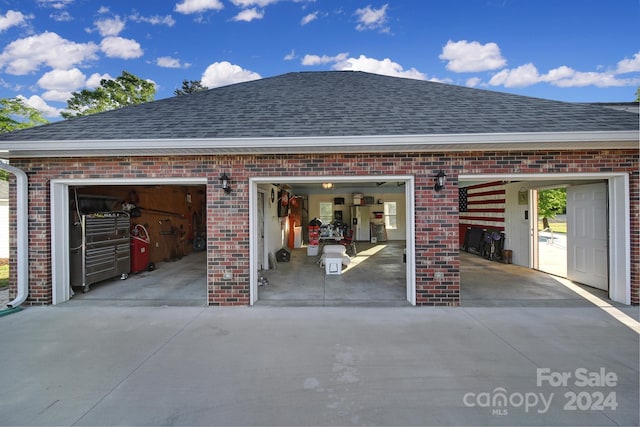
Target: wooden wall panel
[{"x": 165, "y": 211}]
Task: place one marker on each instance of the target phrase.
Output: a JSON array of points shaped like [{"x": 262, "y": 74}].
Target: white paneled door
[{"x": 587, "y": 235}]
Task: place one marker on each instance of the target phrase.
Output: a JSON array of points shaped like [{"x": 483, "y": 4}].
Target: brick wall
[{"x": 228, "y": 214}]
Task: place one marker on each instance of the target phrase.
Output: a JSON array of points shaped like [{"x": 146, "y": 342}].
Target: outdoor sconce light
[
  {"x": 439, "y": 181},
  {"x": 224, "y": 179},
  {"x": 327, "y": 185}
]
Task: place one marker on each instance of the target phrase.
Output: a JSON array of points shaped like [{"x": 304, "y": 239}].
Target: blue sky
[{"x": 568, "y": 50}]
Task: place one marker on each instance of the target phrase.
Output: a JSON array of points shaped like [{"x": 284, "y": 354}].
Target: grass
[
  {"x": 557, "y": 227},
  {"x": 4, "y": 275}
]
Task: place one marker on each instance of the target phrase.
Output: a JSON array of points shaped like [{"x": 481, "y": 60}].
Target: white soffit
[{"x": 346, "y": 144}]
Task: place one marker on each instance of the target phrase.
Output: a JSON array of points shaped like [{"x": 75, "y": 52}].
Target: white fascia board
[{"x": 324, "y": 144}]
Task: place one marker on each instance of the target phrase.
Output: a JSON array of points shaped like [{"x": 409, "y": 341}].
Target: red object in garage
[{"x": 139, "y": 249}]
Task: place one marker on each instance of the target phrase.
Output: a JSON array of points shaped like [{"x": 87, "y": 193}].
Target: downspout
[{"x": 22, "y": 243}]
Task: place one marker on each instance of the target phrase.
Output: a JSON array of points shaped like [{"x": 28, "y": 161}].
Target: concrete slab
[
  {"x": 181, "y": 283},
  {"x": 552, "y": 253},
  {"x": 376, "y": 276},
  {"x": 87, "y": 365},
  {"x": 487, "y": 283}
]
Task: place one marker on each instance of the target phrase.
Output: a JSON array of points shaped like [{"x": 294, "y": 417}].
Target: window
[
  {"x": 390, "y": 216},
  {"x": 326, "y": 212}
]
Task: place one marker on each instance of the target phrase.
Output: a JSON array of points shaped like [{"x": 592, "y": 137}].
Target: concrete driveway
[{"x": 94, "y": 365}]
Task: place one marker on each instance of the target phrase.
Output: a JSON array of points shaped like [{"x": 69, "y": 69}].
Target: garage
[
  {"x": 370, "y": 222},
  {"x": 137, "y": 243},
  {"x": 587, "y": 254},
  {"x": 252, "y": 145}
]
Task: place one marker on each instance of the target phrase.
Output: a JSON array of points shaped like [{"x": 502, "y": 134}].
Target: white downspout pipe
[{"x": 22, "y": 243}]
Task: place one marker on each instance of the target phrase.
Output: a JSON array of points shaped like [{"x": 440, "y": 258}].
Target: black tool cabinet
[{"x": 100, "y": 248}]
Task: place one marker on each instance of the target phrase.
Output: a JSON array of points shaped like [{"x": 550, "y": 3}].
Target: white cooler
[
  {"x": 333, "y": 258},
  {"x": 332, "y": 265}
]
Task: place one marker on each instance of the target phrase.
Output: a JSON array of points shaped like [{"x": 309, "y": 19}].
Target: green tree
[
  {"x": 638, "y": 95},
  {"x": 15, "y": 114},
  {"x": 550, "y": 203},
  {"x": 190, "y": 86},
  {"x": 127, "y": 89}
]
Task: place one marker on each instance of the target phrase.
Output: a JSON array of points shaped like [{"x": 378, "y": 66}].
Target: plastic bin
[{"x": 314, "y": 240}]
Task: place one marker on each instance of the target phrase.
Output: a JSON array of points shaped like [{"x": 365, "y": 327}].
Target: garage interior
[
  {"x": 173, "y": 217},
  {"x": 156, "y": 234}
]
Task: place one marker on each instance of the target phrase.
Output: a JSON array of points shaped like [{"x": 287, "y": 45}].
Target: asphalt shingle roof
[{"x": 333, "y": 104}]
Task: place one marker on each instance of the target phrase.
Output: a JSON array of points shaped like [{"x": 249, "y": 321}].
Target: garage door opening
[
  {"x": 139, "y": 243},
  {"x": 551, "y": 227},
  {"x": 344, "y": 242},
  {"x": 594, "y": 247}
]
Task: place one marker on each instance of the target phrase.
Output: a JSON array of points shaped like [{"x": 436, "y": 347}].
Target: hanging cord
[{"x": 79, "y": 222}]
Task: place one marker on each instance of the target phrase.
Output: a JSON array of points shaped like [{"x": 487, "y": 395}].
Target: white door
[{"x": 587, "y": 230}]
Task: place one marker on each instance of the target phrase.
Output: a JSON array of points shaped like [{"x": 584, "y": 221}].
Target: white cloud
[
  {"x": 224, "y": 73},
  {"x": 385, "y": 67},
  {"x": 563, "y": 76},
  {"x": 26, "y": 55},
  {"x": 94, "y": 80},
  {"x": 309, "y": 18},
  {"x": 343, "y": 62},
  {"x": 63, "y": 16},
  {"x": 567, "y": 77},
  {"x": 110, "y": 26},
  {"x": 169, "y": 62},
  {"x": 56, "y": 95},
  {"x": 118, "y": 47},
  {"x": 11, "y": 19},
  {"x": 324, "y": 59},
  {"x": 290, "y": 56},
  {"x": 439, "y": 80},
  {"x": 522, "y": 76},
  {"x": 55, "y": 4},
  {"x": 61, "y": 83},
  {"x": 249, "y": 15},
  {"x": 154, "y": 20},
  {"x": 560, "y": 73},
  {"x": 249, "y": 3},
  {"x": 464, "y": 56},
  {"x": 62, "y": 80},
  {"x": 197, "y": 6},
  {"x": 372, "y": 19},
  {"x": 629, "y": 65},
  {"x": 473, "y": 82},
  {"x": 39, "y": 104}
]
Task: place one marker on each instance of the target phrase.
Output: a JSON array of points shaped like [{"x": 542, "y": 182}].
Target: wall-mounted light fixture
[
  {"x": 327, "y": 185},
  {"x": 440, "y": 178},
  {"x": 224, "y": 179}
]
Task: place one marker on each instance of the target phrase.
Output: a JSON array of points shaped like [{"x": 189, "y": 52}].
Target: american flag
[
  {"x": 482, "y": 206},
  {"x": 462, "y": 199}
]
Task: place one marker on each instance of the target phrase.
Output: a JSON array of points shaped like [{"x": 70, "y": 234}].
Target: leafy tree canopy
[
  {"x": 15, "y": 114},
  {"x": 550, "y": 203},
  {"x": 638, "y": 95},
  {"x": 127, "y": 89},
  {"x": 190, "y": 86}
]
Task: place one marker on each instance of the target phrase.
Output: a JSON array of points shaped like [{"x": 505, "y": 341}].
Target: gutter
[
  {"x": 22, "y": 191},
  {"x": 589, "y": 140}
]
